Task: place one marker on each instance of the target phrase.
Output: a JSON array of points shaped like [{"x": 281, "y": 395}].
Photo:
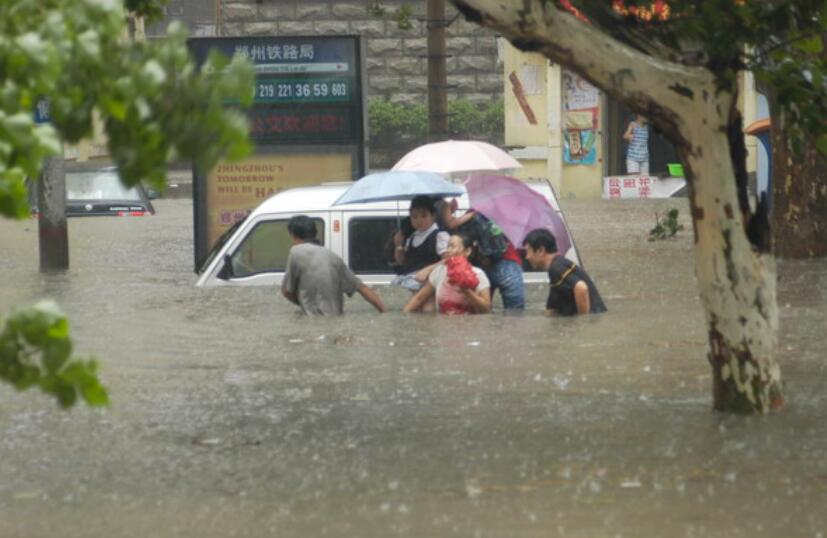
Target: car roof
[{"x": 321, "y": 198}]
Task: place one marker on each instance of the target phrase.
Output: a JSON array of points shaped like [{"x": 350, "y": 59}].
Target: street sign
[
  {"x": 42, "y": 111},
  {"x": 307, "y": 88}
]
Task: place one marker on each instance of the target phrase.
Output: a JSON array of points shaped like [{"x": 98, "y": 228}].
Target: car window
[
  {"x": 216, "y": 248},
  {"x": 266, "y": 247},
  {"x": 98, "y": 186},
  {"x": 367, "y": 241}
]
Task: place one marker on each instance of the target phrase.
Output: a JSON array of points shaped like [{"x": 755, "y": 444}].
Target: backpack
[{"x": 490, "y": 240}]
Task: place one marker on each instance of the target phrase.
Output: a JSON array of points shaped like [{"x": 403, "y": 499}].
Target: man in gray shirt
[{"x": 317, "y": 279}]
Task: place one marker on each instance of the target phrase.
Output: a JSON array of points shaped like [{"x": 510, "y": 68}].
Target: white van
[{"x": 254, "y": 251}]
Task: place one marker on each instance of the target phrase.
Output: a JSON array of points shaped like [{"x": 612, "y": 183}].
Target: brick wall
[{"x": 396, "y": 62}]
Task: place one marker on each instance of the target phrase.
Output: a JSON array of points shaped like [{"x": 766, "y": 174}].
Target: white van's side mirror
[{"x": 226, "y": 271}]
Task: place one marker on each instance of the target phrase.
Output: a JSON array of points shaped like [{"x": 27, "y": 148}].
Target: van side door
[{"x": 368, "y": 244}]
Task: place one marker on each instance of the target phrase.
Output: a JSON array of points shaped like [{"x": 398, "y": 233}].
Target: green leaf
[
  {"x": 48, "y": 139},
  {"x": 95, "y": 395},
  {"x": 154, "y": 72},
  {"x": 821, "y": 144},
  {"x": 35, "y": 350},
  {"x": 812, "y": 45},
  {"x": 32, "y": 45},
  {"x": 13, "y": 195},
  {"x": 89, "y": 44}
]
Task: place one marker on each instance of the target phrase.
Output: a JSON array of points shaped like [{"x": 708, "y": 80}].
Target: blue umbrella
[{"x": 401, "y": 185}]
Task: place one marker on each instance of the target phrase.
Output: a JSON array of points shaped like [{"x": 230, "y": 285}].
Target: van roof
[{"x": 321, "y": 198}]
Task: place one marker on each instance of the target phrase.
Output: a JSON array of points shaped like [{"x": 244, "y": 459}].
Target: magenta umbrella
[{"x": 516, "y": 208}]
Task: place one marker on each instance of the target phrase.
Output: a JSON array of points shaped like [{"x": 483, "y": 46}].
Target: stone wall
[{"x": 396, "y": 62}]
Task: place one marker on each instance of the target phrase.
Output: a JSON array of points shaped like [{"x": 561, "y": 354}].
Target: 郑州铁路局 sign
[{"x": 308, "y": 108}]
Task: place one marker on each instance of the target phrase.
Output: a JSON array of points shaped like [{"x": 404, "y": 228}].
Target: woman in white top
[{"x": 451, "y": 298}]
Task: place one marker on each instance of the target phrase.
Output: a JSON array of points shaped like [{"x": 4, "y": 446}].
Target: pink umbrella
[
  {"x": 516, "y": 208},
  {"x": 456, "y": 156}
]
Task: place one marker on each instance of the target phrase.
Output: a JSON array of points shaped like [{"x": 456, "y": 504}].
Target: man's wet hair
[
  {"x": 302, "y": 227},
  {"x": 541, "y": 237},
  {"x": 424, "y": 202}
]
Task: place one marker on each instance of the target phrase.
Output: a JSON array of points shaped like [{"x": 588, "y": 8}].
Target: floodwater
[{"x": 232, "y": 415}]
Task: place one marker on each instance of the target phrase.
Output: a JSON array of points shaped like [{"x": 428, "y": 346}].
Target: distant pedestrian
[
  {"x": 637, "y": 154},
  {"x": 316, "y": 279},
  {"x": 571, "y": 291}
]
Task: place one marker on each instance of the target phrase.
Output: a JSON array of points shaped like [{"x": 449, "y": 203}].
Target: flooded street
[{"x": 232, "y": 415}]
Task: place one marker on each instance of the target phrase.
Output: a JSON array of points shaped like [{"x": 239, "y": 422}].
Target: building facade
[
  {"x": 562, "y": 128},
  {"x": 396, "y": 58}
]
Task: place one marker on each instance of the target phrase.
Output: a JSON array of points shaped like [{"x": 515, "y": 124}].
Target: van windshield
[{"x": 217, "y": 247}]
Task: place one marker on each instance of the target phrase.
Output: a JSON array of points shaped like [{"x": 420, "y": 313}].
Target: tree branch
[{"x": 662, "y": 90}]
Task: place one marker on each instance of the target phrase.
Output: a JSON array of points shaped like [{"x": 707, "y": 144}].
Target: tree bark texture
[
  {"x": 799, "y": 197},
  {"x": 53, "y": 234},
  {"x": 736, "y": 278}
]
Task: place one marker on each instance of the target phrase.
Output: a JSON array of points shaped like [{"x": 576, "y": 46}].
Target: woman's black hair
[{"x": 467, "y": 241}]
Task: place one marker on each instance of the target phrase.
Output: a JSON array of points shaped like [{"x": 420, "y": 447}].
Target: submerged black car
[{"x": 101, "y": 193}]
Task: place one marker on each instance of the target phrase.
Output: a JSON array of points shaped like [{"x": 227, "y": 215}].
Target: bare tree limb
[{"x": 662, "y": 90}]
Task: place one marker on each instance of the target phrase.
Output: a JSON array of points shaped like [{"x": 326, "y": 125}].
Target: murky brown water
[{"x": 233, "y": 416}]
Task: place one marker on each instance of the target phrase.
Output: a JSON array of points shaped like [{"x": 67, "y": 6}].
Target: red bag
[
  {"x": 460, "y": 273},
  {"x": 450, "y": 307}
]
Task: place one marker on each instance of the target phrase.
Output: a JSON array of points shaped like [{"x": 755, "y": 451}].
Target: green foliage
[
  {"x": 154, "y": 105},
  {"x": 666, "y": 225},
  {"x": 376, "y": 8},
  {"x": 403, "y": 17},
  {"x": 389, "y": 121},
  {"x": 35, "y": 350},
  {"x": 780, "y": 41},
  {"x": 397, "y": 123},
  {"x": 467, "y": 120},
  {"x": 150, "y": 10}
]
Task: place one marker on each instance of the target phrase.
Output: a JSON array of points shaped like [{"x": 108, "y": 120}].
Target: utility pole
[
  {"x": 51, "y": 203},
  {"x": 437, "y": 72}
]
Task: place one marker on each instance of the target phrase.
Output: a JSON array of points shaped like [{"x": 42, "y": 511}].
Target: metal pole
[
  {"x": 51, "y": 202},
  {"x": 437, "y": 72}
]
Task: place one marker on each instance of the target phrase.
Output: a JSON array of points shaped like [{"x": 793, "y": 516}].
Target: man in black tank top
[{"x": 571, "y": 290}]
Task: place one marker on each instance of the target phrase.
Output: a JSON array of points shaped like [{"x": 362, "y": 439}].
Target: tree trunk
[
  {"x": 51, "y": 202},
  {"x": 735, "y": 272},
  {"x": 799, "y": 197},
  {"x": 736, "y": 281}
]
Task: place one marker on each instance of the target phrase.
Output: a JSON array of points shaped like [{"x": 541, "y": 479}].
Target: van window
[
  {"x": 266, "y": 247},
  {"x": 367, "y": 241}
]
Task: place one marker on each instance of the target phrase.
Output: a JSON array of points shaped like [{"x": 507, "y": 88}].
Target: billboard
[
  {"x": 307, "y": 123},
  {"x": 235, "y": 189}
]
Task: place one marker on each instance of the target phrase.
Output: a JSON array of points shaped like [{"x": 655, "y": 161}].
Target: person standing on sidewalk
[{"x": 637, "y": 154}]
